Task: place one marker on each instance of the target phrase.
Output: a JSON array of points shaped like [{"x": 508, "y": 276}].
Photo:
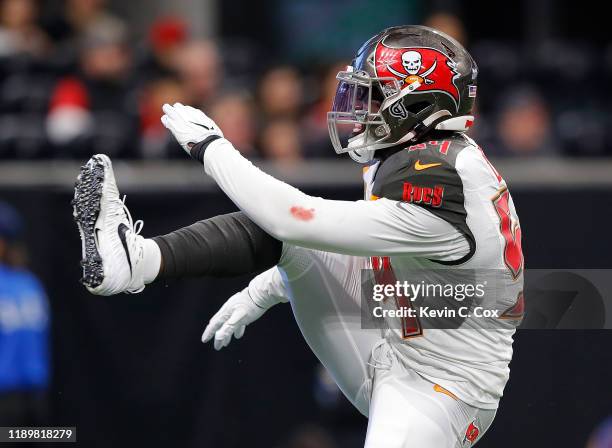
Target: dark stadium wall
[{"x": 131, "y": 370}]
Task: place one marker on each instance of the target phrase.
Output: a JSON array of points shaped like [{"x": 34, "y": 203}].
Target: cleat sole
[{"x": 86, "y": 209}]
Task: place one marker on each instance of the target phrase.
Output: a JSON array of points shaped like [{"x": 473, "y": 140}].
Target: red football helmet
[{"x": 404, "y": 82}]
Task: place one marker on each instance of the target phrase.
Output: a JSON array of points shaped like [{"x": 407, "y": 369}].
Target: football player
[{"x": 433, "y": 203}]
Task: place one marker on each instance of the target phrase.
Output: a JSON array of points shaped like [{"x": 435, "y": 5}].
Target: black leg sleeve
[{"x": 223, "y": 246}]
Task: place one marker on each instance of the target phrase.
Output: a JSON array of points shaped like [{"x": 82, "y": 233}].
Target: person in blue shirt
[{"x": 24, "y": 330}]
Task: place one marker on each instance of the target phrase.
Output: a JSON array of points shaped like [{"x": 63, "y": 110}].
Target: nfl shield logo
[{"x": 472, "y": 91}]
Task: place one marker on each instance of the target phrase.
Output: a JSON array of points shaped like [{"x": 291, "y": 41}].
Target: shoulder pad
[
  {"x": 424, "y": 174},
  {"x": 427, "y": 165}
]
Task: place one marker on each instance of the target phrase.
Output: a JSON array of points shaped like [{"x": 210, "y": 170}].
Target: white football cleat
[{"x": 112, "y": 249}]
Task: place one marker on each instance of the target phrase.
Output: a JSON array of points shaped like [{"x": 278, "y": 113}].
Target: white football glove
[
  {"x": 233, "y": 317},
  {"x": 188, "y": 125}
]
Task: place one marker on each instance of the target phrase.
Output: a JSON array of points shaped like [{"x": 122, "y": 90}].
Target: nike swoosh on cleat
[{"x": 121, "y": 231}]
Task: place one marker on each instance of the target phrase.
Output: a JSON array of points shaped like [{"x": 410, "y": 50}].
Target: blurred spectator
[
  {"x": 235, "y": 115},
  {"x": 524, "y": 125},
  {"x": 280, "y": 141},
  {"x": 602, "y": 436},
  {"x": 105, "y": 54},
  {"x": 78, "y": 17},
  {"x": 448, "y": 23},
  {"x": 24, "y": 331},
  {"x": 280, "y": 93},
  {"x": 166, "y": 38},
  {"x": 200, "y": 70},
  {"x": 155, "y": 139},
  {"x": 99, "y": 93},
  {"x": 19, "y": 32}
]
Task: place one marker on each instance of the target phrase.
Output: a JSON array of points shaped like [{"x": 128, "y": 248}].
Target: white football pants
[{"x": 404, "y": 409}]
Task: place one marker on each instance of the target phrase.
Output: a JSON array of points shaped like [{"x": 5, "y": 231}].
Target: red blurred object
[
  {"x": 167, "y": 32},
  {"x": 69, "y": 92}
]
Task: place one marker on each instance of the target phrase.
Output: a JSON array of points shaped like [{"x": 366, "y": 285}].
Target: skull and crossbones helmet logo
[{"x": 412, "y": 61}]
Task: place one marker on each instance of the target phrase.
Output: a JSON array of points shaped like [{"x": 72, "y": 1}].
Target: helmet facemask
[{"x": 356, "y": 124}]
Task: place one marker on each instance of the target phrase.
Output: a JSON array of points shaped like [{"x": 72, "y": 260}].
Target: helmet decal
[
  {"x": 398, "y": 110},
  {"x": 418, "y": 68}
]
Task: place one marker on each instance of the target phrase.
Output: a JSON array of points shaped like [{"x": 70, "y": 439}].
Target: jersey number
[
  {"x": 384, "y": 275},
  {"x": 443, "y": 146},
  {"x": 511, "y": 231},
  {"x": 509, "y": 228}
]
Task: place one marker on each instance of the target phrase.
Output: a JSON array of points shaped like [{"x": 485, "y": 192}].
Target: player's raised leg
[
  {"x": 115, "y": 258},
  {"x": 324, "y": 290}
]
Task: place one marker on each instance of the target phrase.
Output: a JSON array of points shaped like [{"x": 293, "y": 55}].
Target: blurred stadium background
[{"x": 79, "y": 77}]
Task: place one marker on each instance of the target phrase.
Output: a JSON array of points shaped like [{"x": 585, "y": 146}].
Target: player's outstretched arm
[
  {"x": 245, "y": 307},
  {"x": 380, "y": 227}
]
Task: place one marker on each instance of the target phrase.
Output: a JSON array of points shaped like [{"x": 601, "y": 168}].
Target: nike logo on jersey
[
  {"x": 121, "y": 231},
  {"x": 418, "y": 166}
]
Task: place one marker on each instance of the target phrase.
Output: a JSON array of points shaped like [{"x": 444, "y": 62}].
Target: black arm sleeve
[{"x": 223, "y": 246}]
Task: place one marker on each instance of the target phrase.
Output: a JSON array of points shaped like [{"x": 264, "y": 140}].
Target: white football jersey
[{"x": 471, "y": 357}]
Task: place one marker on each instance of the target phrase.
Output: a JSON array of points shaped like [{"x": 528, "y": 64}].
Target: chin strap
[{"x": 362, "y": 155}]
